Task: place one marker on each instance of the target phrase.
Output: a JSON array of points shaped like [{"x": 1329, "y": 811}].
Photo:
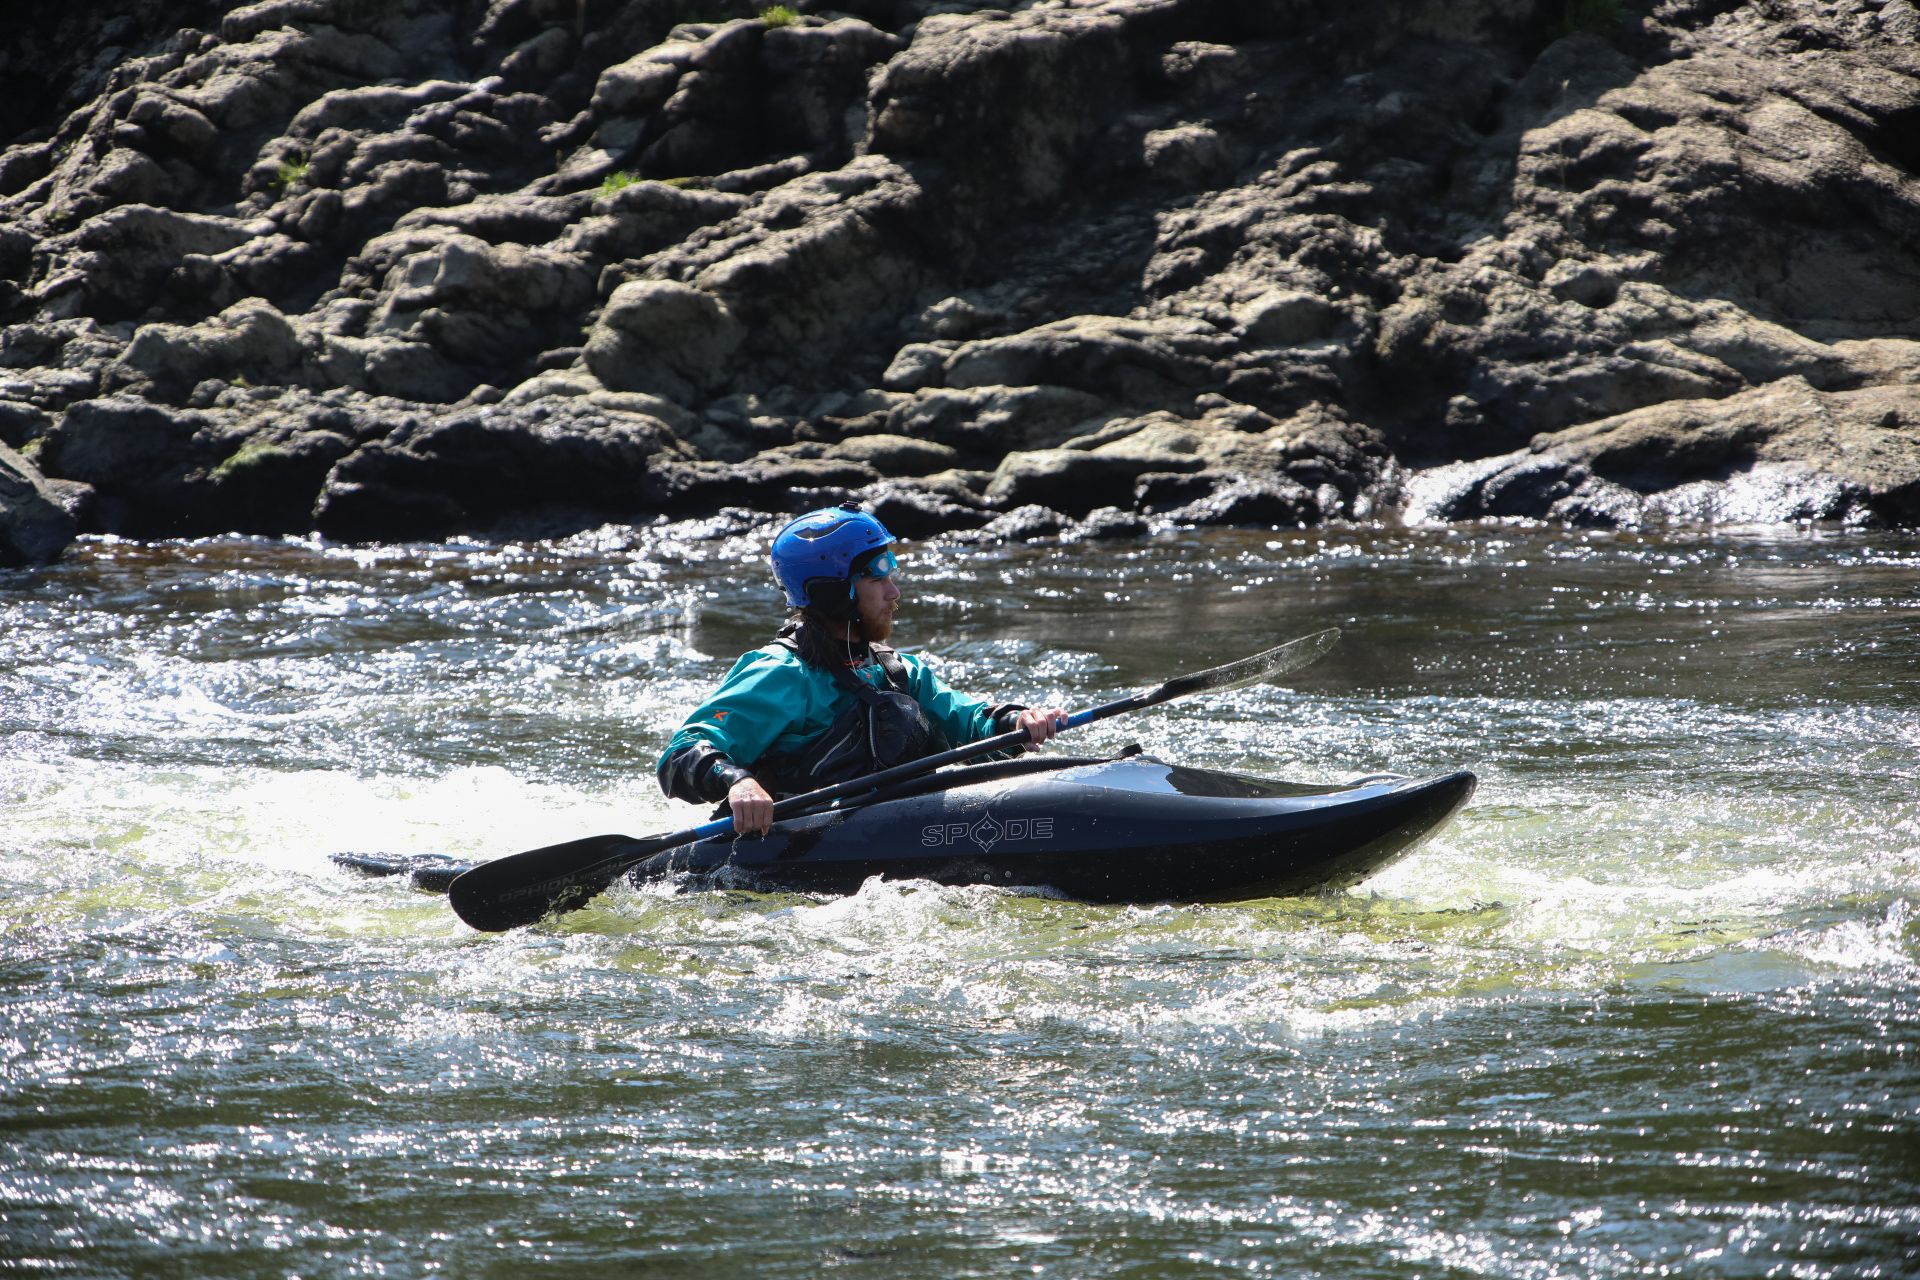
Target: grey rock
[
  {"x": 541, "y": 58},
  {"x": 137, "y": 456},
  {"x": 1186, "y": 154},
  {"x": 735, "y": 97},
  {"x": 478, "y": 304},
  {"x": 1022, "y": 524},
  {"x": 989, "y": 422},
  {"x": 1179, "y": 259},
  {"x": 116, "y": 443},
  {"x": 250, "y": 339},
  {"x": 1288, "y": 317},
  {"x": 21, "y": 422},
  {"x": 390, "y": 367},
  {"x": 1199, "y": 66},
  {"x": 476, "y": 469},
  {"x": 644, "y": 218},
  {"x": 999, "y": 105},
  {"x": 271, "y": 482},
  {"x": 912, "y": 511},
  {"x": 815, "y": 268},
  {"x": 1136, "y": 360},
  {"x": 1077, "y": 481},
  {"x": 896, "y": 455},
  {"x": 916, "y": 365},
  {"x": 777, "y": 483},
  {"x": 173, "y": 126},
  {"x": 1107, "y": 524},
  {"x": 34, "y": 527},
  {"x": 119, "y": 263},
  {"x": 667, "y": 339},
  {"x": 1778, "y": 453},
  {"x": 1260, "y": 501}
]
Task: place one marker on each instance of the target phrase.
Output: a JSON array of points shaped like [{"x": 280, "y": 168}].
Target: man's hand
[
  {"x": 1041, "y": 723},
  {"x": 752, "y": 807}
]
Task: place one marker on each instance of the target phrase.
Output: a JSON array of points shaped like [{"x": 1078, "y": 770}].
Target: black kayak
[{"x": 1132, "y": 829}]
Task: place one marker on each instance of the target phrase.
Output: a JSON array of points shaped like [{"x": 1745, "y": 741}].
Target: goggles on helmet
[{"x": 817, "y": 557}]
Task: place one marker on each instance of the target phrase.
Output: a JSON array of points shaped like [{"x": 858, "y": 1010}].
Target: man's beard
[{"x": 876, "y": 626}]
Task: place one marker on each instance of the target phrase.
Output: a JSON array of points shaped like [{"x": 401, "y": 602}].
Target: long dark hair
[{"x": 816, "y": 640}]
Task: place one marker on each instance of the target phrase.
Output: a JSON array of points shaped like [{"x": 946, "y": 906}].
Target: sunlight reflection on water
[{"x": 1652, "y": 1001}]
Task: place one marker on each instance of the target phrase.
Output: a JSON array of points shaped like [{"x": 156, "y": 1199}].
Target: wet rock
[
  {"x": 778, "y": 482},
  {"x": 269, "y": 484},
  {"x": 476, "y": 469},
  {"x": 1778, "y": 453},
  {"x": 1259, "y": 501},
  {"x": 1348, "y": 466},
  {"x": 34, "y": 527},
  {"x": 1511, "y": 485},
  {"x": 139, "y": 457},
  {"x": 1180, "y": 259},
  {"x": 1022, "y": 524},
  {"x": 913, "y": 511},
  {"x": 1069, "y": 480},
  {"x": 1107, "y": 524}
]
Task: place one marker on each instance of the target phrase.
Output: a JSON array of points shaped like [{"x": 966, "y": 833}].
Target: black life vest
[{"x": 882, "y": 728}]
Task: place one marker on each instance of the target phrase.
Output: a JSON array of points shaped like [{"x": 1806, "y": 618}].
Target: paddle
[{"x": 523, "y": 887}]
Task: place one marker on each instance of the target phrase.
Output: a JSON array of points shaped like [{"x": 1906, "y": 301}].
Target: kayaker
[{"x": 827, "y": 700}]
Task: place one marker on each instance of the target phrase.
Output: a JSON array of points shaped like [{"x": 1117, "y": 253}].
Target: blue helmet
[{"x": 816, "y": 556}]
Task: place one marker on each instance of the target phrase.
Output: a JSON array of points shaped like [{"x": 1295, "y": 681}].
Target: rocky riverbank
[{"x": 409, "y": 268}]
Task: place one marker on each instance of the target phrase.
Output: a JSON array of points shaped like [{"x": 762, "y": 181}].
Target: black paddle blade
[
  {"x": 429, "y": 872},
  {"x": 509, "y": 892},
  {"x": 1277, "y": 661}
]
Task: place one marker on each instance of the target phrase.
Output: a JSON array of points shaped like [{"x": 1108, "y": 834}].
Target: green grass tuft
[
  {"x": 290, "y": 174},
  {"x": 618, "y": 182},
  {"x": 780, "y": 15},
  {"x": 252, "y": 454}
]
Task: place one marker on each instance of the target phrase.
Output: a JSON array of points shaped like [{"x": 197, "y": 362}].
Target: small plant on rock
[
  {"x": 291, "y": 174},
  {"x": 620, "y": 181},
  {"x": 250, "y": 455},
  {"x": 780, "y": 15}
]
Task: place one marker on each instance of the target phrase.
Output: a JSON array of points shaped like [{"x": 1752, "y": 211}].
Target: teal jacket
[{"x": 773, "y": 702}]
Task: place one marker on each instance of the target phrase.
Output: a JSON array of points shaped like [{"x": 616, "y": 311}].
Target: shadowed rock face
[{"x": 407, "y": 268}]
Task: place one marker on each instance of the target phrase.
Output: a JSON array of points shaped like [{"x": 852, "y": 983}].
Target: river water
[{"x": 1650, "y": 1006}]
